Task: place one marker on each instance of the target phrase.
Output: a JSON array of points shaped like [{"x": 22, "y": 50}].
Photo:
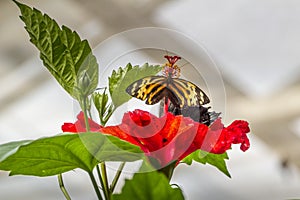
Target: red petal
[
  {"x": 171, "y": 138},
  {"x": 69, "y": 127},
  {"x": 235, "y": 133},
  {"x": 79, "y": 125}
]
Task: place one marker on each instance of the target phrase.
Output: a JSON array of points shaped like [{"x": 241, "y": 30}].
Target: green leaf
[
  {"x": 117, "y": 76},
  {"x": 10, "y": 148},
  {"x": 216, "y": 160},
  {"x": 68, "y": 58},
  {"x": 104, "y": 108},
  {"x": 49, "y": 156},
  {"x": 110, "y": 148},
  {"x": 148, "y": 186},
  {"x": 58, "y": 154},
  {"x": 121, "y": 79}
]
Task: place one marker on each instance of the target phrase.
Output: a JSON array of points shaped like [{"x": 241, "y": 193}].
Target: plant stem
[
  {"x": 101, "y": 180},
  {"x": 95, "y": 185},
  {"x": 62, "y": 187},
  {"x": 168, "y": 170},
  {"x": 87, "y": 125},
  {"x": 117, "y": 176},
  {"x": 104, "y": 179},
  {"x": 86, "y": 119}
]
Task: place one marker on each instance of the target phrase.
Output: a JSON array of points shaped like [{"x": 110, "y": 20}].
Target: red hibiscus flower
[
  {"x": 171, "y": 137},
  {"x": 79, "y": 125}
]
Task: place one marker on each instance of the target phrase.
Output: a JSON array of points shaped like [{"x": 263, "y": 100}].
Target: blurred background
[{"x": 255, "y": 44}]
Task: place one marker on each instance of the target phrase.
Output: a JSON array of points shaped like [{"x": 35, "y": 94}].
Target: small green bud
[{"x": 84, "y": 83}]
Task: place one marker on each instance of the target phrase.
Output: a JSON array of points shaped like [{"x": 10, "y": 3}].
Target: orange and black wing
[
  {"x": 180, "y": 92},
  {"x": 187, "y": 93},
  {"x": 150, "y": 88}
]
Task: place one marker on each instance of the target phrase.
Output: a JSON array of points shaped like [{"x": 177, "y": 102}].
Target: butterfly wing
[
  {"x": 150, "y": 88},
  {"x": 187, "y": 93},
  {"x": 180, "y": 92}
]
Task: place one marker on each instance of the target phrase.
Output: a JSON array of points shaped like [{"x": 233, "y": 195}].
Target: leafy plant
[
  {"x": 58, "y": 154},
  {"x": 88, "y": 145},
  {"x": 217, "y": 160},
  {"x": 68, "y": 58},
  {"x": 149, "y": 186}
]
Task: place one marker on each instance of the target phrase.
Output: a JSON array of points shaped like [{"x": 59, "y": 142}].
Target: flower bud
[{"x": 84, "y": 83}]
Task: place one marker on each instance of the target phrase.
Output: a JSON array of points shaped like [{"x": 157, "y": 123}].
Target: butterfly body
[{"x": 179, "y": 91}]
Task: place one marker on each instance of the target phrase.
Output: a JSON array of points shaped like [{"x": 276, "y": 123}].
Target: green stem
[
  {"x": 168, "y": 170},
  {"x": 87, "y": 125},
  {"x": 101, "y": 180},
  {"x": 104, "y": 121},
  {"x": 95, "y": 185},
  {"x": 86, "y": 119},
  {"x": 62, "y": 187},
  {"x": 105, "y": 180},
  {"x": 117, "y": 176}
]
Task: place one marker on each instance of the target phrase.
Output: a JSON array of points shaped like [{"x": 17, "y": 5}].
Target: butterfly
[
  {"x": 199, "y": 113},
  {"x": 180, "y": 92}
]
